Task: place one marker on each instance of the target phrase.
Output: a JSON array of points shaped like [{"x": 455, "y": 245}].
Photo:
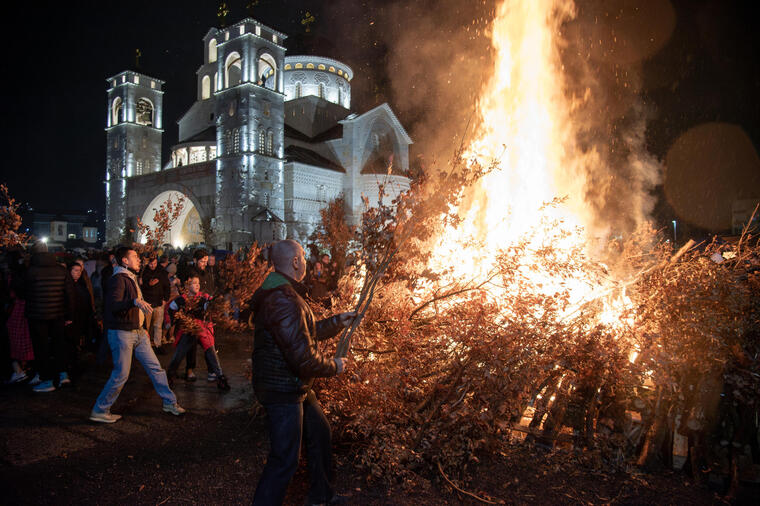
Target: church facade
[{"x": 270, "y": 140}]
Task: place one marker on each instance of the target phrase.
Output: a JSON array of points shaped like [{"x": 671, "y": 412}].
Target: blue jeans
[
  {"x": 287, "y": 423},
  {"x": 123, "y": 343}
]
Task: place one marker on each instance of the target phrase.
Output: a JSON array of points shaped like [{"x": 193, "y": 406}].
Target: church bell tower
[{"x": 133, "y": 141}]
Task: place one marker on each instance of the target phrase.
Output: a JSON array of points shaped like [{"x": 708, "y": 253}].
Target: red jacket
[{"x": 205, "y": 335}]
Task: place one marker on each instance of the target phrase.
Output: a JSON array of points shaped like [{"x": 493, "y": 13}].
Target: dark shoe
[
  {"x": 159, "y": 350},
  {"x": 170, "y": 380},
  {"x": 221, "y": 383},
  {"x": 336, "y": 499},
  {"x": 190, "y": 377}
]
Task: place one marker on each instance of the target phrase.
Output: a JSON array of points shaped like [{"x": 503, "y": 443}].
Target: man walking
[
  {"x": 49, "y": 304},
  {"x": 123, "y": 317},
  {"x": 155, "y": 289},
  {"x": 285, "y": 362}
]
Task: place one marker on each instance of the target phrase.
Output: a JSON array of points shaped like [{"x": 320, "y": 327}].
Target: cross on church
[
  {"x": 221, "y": 13},
  {"x": 308, "y": 20},
  {"x": 138, "y": 54}
]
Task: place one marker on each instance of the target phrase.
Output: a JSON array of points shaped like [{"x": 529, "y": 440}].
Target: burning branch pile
[{"x": 445, "y": 373}]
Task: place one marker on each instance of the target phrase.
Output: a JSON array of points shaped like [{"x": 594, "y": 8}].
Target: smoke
[
  {"x": 606, "y": 44},
  {"x": 438, "y": 56}
]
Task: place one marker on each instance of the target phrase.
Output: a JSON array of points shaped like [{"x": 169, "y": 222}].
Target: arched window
[
  {"x": 144, "y": 110},
  {"x": 270, "y": 143},
  {"x": 205, "y": 87},
  {"x": 116, "y": 111},
  {"x": 298, "y": 90},
  {"x": 262, "y": 141},
  {"x": 212, "y": 51},
  {"x": 267, "y": 72},
  {"x": 233, "y": 70}
]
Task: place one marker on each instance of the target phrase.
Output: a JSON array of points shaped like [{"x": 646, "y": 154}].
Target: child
[{"x": 193, "y": 303}]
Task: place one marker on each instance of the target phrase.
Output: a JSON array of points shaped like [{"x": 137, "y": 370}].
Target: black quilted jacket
[
  {"x": 285, "y": 355},
  {"x": 49, "y": 289}
]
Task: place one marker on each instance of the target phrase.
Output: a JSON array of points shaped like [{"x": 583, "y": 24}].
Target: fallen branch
[{"x": 470, "y": 494}]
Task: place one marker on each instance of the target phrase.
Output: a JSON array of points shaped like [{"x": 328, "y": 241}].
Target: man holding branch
[{"x": 285, "y": 362}]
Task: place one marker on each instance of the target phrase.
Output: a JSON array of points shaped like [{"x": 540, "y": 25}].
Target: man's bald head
[{"x": 288, "y": 258}]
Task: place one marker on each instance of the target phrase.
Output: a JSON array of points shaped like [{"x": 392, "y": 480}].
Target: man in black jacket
[
  {"x": 155, "y": 289},
  {"x": 285, "y": 362},
  {"x": 123, "y": 317},
  {"x": 49, "y": 305}
]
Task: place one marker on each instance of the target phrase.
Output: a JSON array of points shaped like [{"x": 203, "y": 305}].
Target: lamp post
[{"x": 674, "y": 231}]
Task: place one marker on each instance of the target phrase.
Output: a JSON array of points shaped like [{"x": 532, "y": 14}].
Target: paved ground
[{"x": 52, "y": 454}]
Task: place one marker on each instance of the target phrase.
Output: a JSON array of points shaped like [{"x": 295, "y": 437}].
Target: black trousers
[{"x": 48, "y": 341}]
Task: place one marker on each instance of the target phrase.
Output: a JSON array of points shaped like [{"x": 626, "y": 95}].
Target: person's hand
[
  {"x": 144, "y": 306},
  {"x": 345, "y": 319},
  {"x": 153, "y": 282},
  {"x": 341, "y": 364}
]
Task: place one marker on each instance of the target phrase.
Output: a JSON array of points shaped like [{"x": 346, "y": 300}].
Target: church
[{"x": 269, "y": 141}]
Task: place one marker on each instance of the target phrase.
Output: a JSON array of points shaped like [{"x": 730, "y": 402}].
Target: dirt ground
[{"x": 52, "y": 454}]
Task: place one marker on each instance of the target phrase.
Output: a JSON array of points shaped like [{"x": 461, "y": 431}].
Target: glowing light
[
  {"x": 524, "y": 125},
  {"x": 44, "y": 239}
]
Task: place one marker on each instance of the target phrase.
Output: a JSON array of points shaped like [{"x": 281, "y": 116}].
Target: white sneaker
[
  {"x": 211, "y": 377},
  {"x": 35, "y": 381},
  {"x": 175, "y": 409},
  {"x": 63, "y": 379},
  {"x": 107, "y": 417},
  {"x": 17, "y": 377}
]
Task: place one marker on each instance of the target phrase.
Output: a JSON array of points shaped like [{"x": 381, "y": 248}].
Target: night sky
[{"x": 57, "y": 59}]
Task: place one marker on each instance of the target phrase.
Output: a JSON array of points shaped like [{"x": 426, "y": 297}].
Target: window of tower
[
  {"x": 270, "y": 143},
  {"x": 116, "y": 111},
  {"x": 137, "y": 79},
  {"x": 205, "y": 87},
  {"x": 144, "y": 110},
  {"x": 321, "y": 90},
  {"x": 267, "y": 72},
  {"x": 298, "y": 90},
  {"x": 233, "y": 70},
  {"x": 236, "y": 140},
  {"x": 139, "y": 168},
  {"x": 216, "y": 81},
  {"x": 212, "y": 51},
  {"x": 262, "y": 141}
]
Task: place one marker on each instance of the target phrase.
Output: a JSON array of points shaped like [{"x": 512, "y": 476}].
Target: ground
[{"x": 52, "y": 454}]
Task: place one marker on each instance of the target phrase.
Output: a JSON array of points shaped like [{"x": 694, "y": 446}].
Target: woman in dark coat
[{"x": 78, "y": 332}]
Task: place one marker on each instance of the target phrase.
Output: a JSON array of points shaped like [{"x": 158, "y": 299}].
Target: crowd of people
[{"x": 58, "y": 307}]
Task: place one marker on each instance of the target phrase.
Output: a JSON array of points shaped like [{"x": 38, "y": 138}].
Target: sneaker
[
  {"x": 17, "y": 377},
  {"x": 190, "y": 376},
  {"x": 221, "y": 383},
  {"x": 175, "y": 409},
  {"x": 107, "y": 417},
  {"x": 211, "y": 377},
  {"x": 63, "y": 379},
  {"x": 44, "y": 386},
  {"x": 35, "y": 381}
]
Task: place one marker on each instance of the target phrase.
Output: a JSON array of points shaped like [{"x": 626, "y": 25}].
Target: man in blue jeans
[
  {"x": 285, "y": 362},
  {"x": 123, "y": 316}
]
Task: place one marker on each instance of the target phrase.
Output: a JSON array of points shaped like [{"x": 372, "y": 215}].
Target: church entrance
[{"x": 185, "y": 230}]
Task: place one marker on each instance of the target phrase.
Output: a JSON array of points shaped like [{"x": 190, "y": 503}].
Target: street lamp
[{"x": 674, "y": 231}]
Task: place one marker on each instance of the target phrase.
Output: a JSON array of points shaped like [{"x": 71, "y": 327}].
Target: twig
[
  {"x": 463, "y": 491},
  {"x": 162, "y": 502}
]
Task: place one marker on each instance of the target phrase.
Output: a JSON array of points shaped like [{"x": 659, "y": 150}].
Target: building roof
[{"x": 309, "y": 157}]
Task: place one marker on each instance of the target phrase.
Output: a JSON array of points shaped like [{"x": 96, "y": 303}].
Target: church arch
[
  {"x": 212, "y": 51},
  {"x": 116, "y": 107},
  {"x": 266, "y": 71},
  {"x": 205, "y": 87},
  {"x": 233, "y": 70},
  {"x": 144, "y": 112},
  {"x": 187, "y": 228}
]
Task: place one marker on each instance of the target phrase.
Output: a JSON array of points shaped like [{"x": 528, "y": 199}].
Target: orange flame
[{"x": 523, "y": 122}]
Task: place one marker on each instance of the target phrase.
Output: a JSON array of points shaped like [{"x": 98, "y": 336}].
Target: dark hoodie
[{"x": 285, "y": 355}]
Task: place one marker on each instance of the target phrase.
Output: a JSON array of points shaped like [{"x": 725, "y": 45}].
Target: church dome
[{"x": 318, "y": 76}]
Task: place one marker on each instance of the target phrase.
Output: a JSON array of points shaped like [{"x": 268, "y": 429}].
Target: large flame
[{"x": 523, "y": 123}]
